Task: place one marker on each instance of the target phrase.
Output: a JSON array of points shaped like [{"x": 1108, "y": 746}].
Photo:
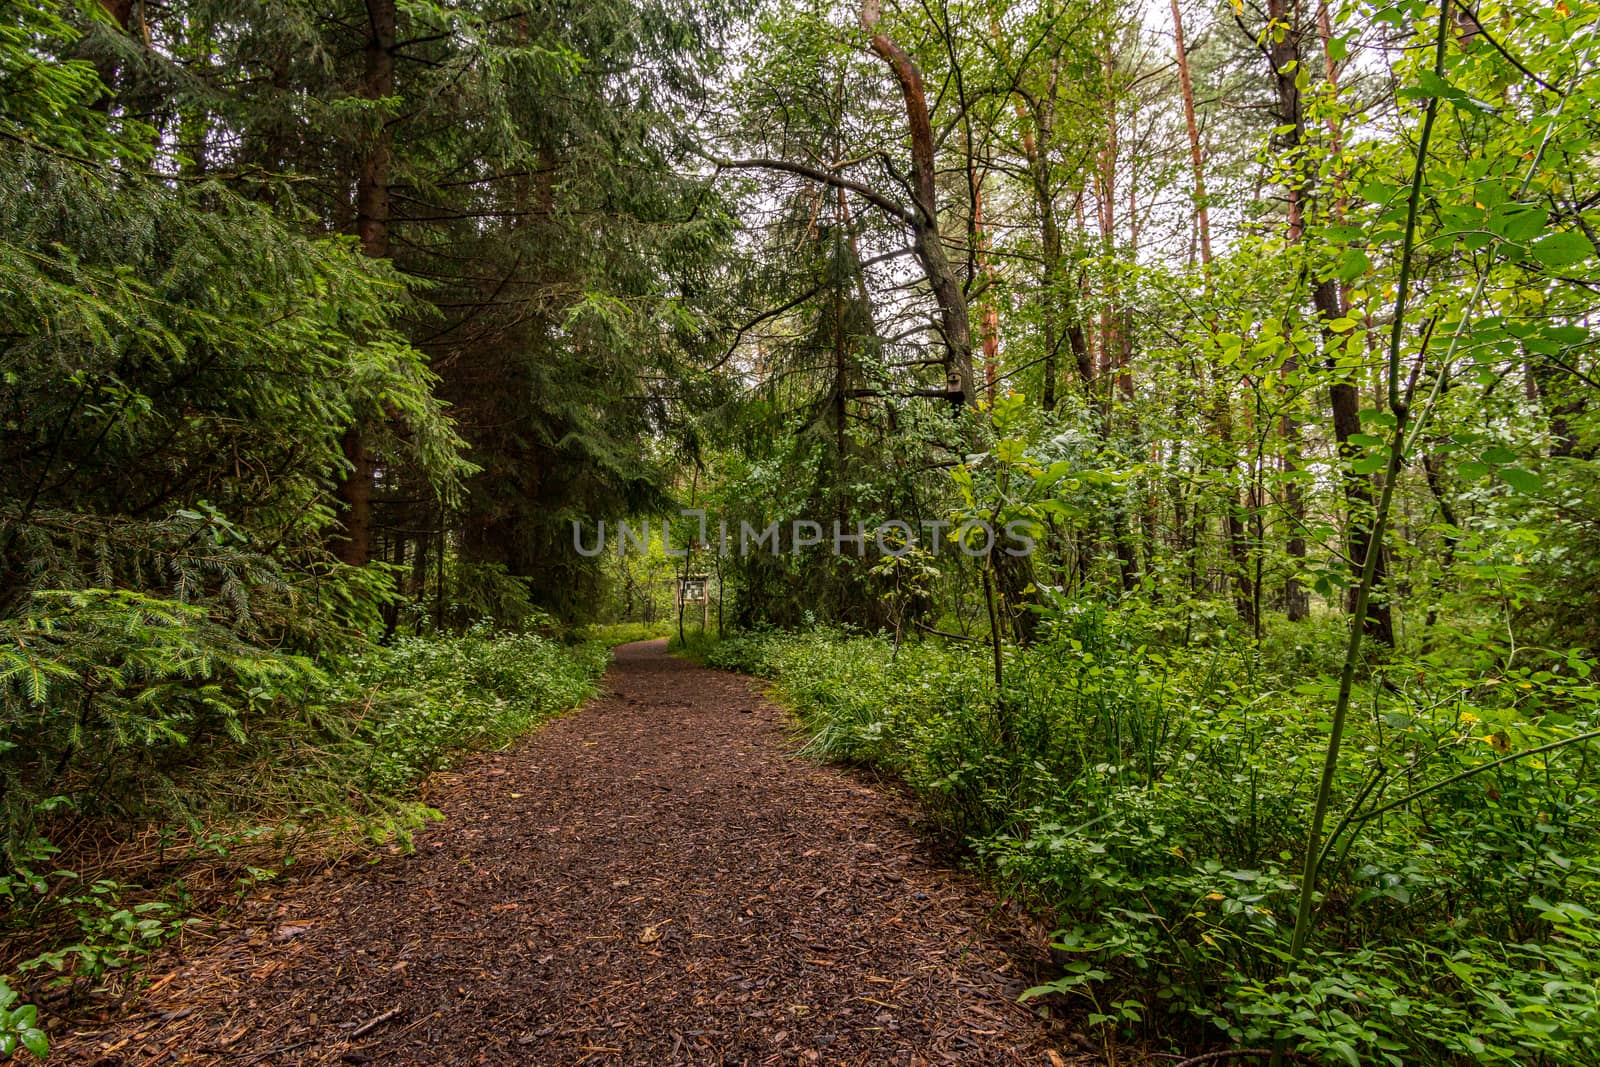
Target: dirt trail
[{"x": 653, "y": 880}]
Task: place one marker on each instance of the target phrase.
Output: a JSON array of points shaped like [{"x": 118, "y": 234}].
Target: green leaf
[
  {"x": 36, "y": 1042},
  {"x": 1431, "y": 85},
  {"x": 1523, "y": 481},
  {"x": 1347, "y": 1053},
  {"x": 1472, "y": 470},
  {"x": 1518, "y": 222},
  {"x": 1369, "y": 464},
  {"x": 1376, "y": 417},
  {"x": 1562, "y": 250},
  {"x": 1352, "y": 264},
  {"x": 1379, "y": 192}
]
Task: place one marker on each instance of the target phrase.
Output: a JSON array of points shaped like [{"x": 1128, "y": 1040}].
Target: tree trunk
[
  {"x": 351, "y": 543},
  {"x": 1246, "y": 595},
  {"x": 1013, "y": 575},
  {"x": 1557, "y": 390},
  {"x": 989, "y": 317},
  {"x": 1344, "y": 396},
  {"x": 1345, "y": 399},
  {"x": 928, "y": 243},
  {"x": 1106, "y": 192},
  {"x": 1061, "y": 317},
  {"x": 1114, "y": 367},
  {"x": 1196, "y": 154},
  {"x": 1285, "y": 58}
]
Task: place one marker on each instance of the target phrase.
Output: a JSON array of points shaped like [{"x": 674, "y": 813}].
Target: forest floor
[{"x": 651, "y": 880}]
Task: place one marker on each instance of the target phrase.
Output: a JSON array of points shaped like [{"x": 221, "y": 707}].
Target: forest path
[{"x": 653, "y": 880}]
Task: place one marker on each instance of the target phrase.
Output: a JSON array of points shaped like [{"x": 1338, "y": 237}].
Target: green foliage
[
  {"x": 46, "y": 103},
  {"x": 431, "y": 699},
  {"x": 123, "y": 353},
  {"x": 625, "y": 633},
  {"x": 695, "y": 642},
  {"x": 489, "y": 591},
  {"x": 552, "y": 306},
  {"x": 105, "y": 931},
  {"x": 190, "y": 332},
  {"x": 102, "y": 690},
  {"x": 18, "y": 1025},
  {"x": 1153, "y": 798},
  {"x": 233, "y": 750}
]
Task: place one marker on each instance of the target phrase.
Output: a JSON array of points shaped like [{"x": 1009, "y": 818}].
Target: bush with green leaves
[
  {"x": 695, "y": 640},
  {"x": 431, "y": 699},
  {"x": 104, "y": 691},
  {"x": 1154, "y": 799},
  {"x": 101, "y": 929},
  {"x": 186, "y": 728}
]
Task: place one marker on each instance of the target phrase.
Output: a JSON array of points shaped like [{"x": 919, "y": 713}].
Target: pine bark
[
  {"x": 1061, "y": 316},
  {"x": 1328, "y": 299},
  {"x": 928, "y": 242},
  {"x": 353, "y": 541},
  {"x": 989, "y": 313},
  {"x": 1196, "y": 152}
]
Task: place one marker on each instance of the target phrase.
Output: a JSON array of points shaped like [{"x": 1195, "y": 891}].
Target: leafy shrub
[
  {"x": 437, "y": 698},
  {"x": 1155, "y": 800},
  {"x": 102, "y": 689},
  {"x": 745, "y": 653},
  {"x": 490, "y": 591},
  {"x": 695, "y": 642},
  {"x": 107, "y": 931},
  {"x": 19, "y": 1025}
]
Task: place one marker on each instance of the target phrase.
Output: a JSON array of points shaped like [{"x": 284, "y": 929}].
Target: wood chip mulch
[{"x": 653, "y": 880}]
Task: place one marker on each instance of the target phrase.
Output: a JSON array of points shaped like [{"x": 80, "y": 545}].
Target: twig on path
[
  {"x": 166, "y": 1050},
  {"x": 426, "y": 1018},
  {"x": 372, "y": 1024}
]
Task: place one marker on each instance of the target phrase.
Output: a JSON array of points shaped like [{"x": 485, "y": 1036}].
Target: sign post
[{"x": 692, "y": 589}]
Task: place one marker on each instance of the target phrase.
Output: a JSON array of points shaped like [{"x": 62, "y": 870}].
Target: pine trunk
[
  {"x": 928, "y": 242},
  {"x": 352, "y": 542}
]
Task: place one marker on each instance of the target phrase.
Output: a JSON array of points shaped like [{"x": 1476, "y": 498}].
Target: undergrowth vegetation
[
  {"x": 623, "y": 633},
  {"x": 142, "y": 779},
  {"x": 695, "y": 642},
  {"x": 1153, "y": 799}
]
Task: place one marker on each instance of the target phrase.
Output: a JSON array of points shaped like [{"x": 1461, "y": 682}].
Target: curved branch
[{"x": 817, "y": 174}]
